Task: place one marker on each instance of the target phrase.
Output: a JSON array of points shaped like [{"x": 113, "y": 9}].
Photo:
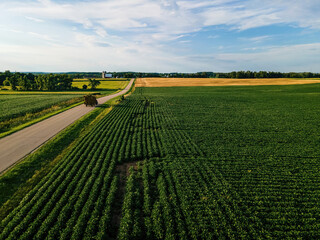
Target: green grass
[{"x": 214, "y": 163}]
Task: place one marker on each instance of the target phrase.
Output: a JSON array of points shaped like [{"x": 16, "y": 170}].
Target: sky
[{"x": 160, "y": 35}]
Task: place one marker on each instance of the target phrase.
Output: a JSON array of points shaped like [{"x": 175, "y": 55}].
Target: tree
[
  {"x": 84, "y": 86},
  {"x": 64, "y": 82},
  {"x": 40, "y": 82},
  {"x": 90, "y": 100},
  {"x": 6, "y": 82},
  {"x": 24, "y": 83},
  {"x": 93, "y": 83},
  {"x": 13, "y": 82}
]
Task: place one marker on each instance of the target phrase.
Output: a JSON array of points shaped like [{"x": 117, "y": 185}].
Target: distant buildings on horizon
[{"x": 106, "y": 75}]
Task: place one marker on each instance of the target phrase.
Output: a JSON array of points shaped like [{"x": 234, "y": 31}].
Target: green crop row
[{"x": 253, "y": 173}]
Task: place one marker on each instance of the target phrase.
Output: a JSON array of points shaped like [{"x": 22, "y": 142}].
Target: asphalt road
[{"x": 17, "y": 145}]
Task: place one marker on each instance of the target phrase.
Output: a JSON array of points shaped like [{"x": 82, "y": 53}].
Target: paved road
[{"x": 16, "y": 146}]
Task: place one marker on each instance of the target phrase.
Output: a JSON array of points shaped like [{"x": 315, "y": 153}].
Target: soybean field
[
  {"x": 15, "y": 105},
  {"x": 186, "y": 163}
]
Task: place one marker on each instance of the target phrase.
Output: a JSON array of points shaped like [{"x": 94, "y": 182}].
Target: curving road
[{"x": 17, "y": 145}]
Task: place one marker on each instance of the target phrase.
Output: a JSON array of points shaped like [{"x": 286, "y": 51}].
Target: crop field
[
  {"x": 10, "y": 92},
  {"x": 14, "y": 105},
  {"x": 106, "y": 84},
  {"x": 186, "y": 163},
  {"x": 191, "y": 82}
]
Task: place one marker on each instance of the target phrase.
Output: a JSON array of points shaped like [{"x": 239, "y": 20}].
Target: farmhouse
[{"x": 106, "y": 75}]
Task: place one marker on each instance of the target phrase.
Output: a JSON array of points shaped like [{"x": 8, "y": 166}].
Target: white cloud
[
  {"x": 304, "y": 57},
  {"x": 258, "y": 39},
  {"x": 41, "y": 36},
  {"x": 170, "y": 17},
  {"x": 139, "y": 32},
  {"x": 34, "y": 19}
]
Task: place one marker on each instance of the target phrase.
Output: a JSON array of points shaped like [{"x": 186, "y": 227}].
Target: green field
[
  {"x": 113, "y": 84},
  {"x": 19, "y": 111},
  {"x": 15, "y": 105},
  {"x": 186, "y": 163}
]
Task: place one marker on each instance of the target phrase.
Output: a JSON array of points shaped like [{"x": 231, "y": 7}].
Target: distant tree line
[
  {"x": 75, "y": 75},
  {"x": 265, "y": 74},
  {"x": 142, "y": 75},
  {"x": 30, "y": 81},
  {"x": 234, "y": 74}
]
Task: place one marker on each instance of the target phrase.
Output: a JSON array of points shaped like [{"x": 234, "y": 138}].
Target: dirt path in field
[
  {"x": 123, "y": 172},
  {"x": 16, "y": 146},
  {"x": 192, "y": 82}
]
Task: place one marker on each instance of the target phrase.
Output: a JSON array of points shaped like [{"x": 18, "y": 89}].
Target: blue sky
[{"x": 160, "y": 35}]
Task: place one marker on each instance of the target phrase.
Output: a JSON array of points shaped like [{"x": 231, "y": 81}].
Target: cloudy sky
[{"x": 160, "y": 35}]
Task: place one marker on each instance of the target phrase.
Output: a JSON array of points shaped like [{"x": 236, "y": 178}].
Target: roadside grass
[{"x": 20, "y": 179}]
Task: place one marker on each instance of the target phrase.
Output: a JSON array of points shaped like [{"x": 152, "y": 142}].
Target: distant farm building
[{"x": 106, "y": 75}]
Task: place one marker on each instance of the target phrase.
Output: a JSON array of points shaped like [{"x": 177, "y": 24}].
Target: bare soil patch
[
  {"x": 123, "y": 172},
  {"x": 191, "y": 82}
]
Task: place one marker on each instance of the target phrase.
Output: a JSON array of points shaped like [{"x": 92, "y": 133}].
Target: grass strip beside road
[{"x": 20, "y": 179}]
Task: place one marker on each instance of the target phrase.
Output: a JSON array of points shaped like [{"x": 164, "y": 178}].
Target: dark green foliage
[
  {"x": 29, "y": 81},
  {"x": 53, "y": 82},
  {"x": 265, "y": 74},
  {"x": 90, "y": 100},
  {"x": 93, "y": 83}
]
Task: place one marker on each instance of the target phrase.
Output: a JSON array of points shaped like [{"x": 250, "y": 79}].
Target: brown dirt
[
  {"x": 190, "y": 82},
  {"x": 123, "y": 173}
]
